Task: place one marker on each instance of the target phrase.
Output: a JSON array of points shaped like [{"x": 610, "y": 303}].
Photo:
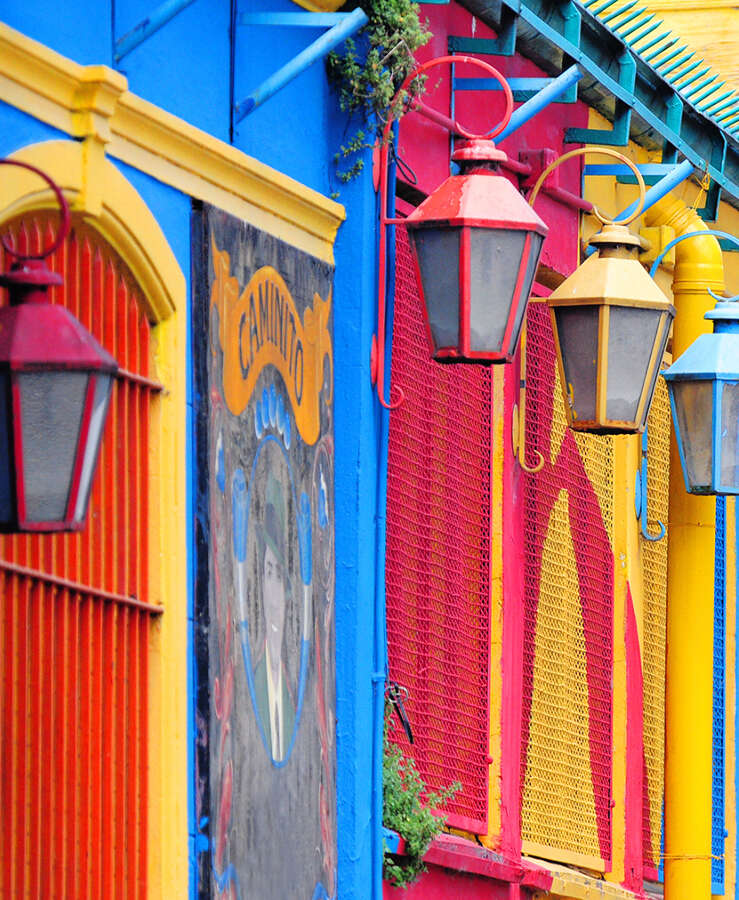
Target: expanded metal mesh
[
  {"x": 438, "y": 556},
  {"x": 568, "y": 641},
  {"x": 654, "y": 560},
  {"x": 719, "y": 656}
]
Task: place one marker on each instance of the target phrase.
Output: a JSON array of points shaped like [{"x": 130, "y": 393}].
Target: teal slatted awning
[{"x": 636, "y": 74}]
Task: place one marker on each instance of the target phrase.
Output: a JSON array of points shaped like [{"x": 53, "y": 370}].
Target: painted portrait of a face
[{"x": 273, "y": 689}]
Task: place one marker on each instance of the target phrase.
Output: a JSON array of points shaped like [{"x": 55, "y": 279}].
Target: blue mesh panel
[{"x": 717, "y": 839}]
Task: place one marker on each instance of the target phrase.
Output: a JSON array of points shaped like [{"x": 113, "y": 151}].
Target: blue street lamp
[{"x": 703, "y": 385}]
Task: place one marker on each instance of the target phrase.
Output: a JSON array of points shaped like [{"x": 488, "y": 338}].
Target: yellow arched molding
[
  {"x": 95, "y": 188},
  {"x": 110, "y": 204}
]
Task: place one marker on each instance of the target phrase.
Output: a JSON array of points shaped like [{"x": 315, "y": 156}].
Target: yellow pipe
[{"x": 690, "y": 590}]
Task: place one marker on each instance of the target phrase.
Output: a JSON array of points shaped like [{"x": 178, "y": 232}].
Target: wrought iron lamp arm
[{"x": 377, "y": 360}]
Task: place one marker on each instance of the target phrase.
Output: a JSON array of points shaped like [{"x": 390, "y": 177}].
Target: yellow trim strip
[
  {"x": 496, "y": 610},
  {"x": 601, "y": 390},
  {"x": 93, "y": 102}
]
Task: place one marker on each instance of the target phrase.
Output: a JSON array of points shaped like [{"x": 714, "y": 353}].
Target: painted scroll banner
[{"x": 266, "y": 769}]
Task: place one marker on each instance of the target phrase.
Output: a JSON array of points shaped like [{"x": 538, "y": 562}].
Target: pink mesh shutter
[{"x": 438, "y": 557}]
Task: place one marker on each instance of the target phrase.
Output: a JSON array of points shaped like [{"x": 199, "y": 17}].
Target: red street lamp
[
  {"x": 55, "y": 385},
  {"x": 476, "y": 245}
]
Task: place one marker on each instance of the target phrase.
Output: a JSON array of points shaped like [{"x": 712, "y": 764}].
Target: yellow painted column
[{"x": 690, "y": 591}]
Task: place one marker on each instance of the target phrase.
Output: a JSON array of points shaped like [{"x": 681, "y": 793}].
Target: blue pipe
[
  {"x": 661, "y": 189},
  {"x": 545, "y": 96},
  {"x": 380, "y": 674},
  {"x": 321, "y": 47},
  {"x": 148, "y": 26}
]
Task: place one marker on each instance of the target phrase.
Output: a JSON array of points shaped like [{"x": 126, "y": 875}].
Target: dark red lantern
[
  {"x": 476, "y": 244},
  {"x": 55, "y": 386}
]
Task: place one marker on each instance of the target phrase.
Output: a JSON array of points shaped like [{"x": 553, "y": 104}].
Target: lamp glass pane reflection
[
  {"x": 52, "y": 406},
  {"x": 693, "y": 405},
  {"x": 632, "y": 332},
  {"x": 730, "y": 435},
  {"x": 577, "y": 327},
  {"x": 437, "y": 252}
]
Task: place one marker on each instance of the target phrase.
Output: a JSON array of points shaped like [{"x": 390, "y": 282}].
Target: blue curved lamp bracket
[
  {"x": 640, "y": 496},
  {"x": 709, "y": 232}
]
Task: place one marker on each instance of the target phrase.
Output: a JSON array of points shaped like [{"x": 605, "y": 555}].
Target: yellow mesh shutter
[{"x": 568, "y": 626}]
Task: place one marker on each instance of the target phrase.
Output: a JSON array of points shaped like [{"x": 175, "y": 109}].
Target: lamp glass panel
[
  {"x": 52, "y": 404},
  {"x": 537, "y": 242},
  {"x": 694, "y": 407},
  {"x": 6, "y": 452},
  {"x": 495, "y": 259},
  {"x": 730, "y": 436},
  {"x": 632, "y": 331},
  {"x": 437, "y": 252},
  {"x": 103, "y": 386},
  {"x": 577, "y": 327}
]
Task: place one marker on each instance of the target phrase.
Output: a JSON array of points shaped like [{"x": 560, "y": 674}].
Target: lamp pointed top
[{"x": 478, "y": 150}]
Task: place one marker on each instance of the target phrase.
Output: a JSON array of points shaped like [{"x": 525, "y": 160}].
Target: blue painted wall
[{"x": 187, "y": 69}]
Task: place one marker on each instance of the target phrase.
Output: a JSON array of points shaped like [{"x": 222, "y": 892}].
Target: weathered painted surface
[{"x": 265, "y": 589}]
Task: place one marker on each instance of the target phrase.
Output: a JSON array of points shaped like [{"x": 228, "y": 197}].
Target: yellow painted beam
[
  {"x": 568, "y": 884},
  {"x": 93, "y": 102}
]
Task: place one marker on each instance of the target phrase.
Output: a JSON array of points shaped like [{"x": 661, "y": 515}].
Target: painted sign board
[{"x": 264, "y": 605}]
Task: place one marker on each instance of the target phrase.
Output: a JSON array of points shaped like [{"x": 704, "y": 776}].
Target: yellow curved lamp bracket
[
  {"x": 519, "y": 418},
  {"x": 604, "y": 151}
]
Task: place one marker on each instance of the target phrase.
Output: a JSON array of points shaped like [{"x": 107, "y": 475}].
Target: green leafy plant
[
  {"x": 408, "y": 808},
  {"x": 371, "y": 69}
]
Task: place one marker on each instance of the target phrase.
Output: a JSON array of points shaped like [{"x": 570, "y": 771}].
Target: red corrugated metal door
[{"x": 75, "y": 629}]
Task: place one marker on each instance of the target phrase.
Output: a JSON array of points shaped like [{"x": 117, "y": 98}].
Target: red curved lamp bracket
[
  {"x": 377, "y": 359},
  {"x": 63, "y": 212}
]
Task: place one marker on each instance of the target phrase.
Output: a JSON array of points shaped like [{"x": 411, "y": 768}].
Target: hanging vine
[{"x": 371, "y": 69}]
